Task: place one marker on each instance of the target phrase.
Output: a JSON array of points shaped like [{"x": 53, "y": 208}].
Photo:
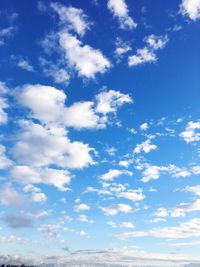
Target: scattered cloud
[
  {"x": 120, "y": 10},
  {"x": 73, "y": 18},
  {"x": 111, "y": 174},
  {"x": 191, "y": 9},
  {"x": 86, "y": 60}
]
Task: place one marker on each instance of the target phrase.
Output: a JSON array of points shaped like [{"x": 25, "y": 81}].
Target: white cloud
[
  {"x": 47, "y": 104},
  {"x": 156, "y": 42},
  {"x": 145, "y": 147},
  {"x": 23, "y": 63},
  {"x": 109, "y": 101},
  {"x": 84, "y": 218},
  {"x": 147, "y": 54},
  {"x": 81, "y": 207},
  {"x": 121, "y": 47},
  {"x": 4, "y": 161},
  {"x": 56, "y": 70},
  {"x": 190, "y": 8},
  {"x": 9, "y": 196},
  {"x": 153, "y": 172},
  {"x": 39, "y": 146},
  {"x": 72, "y": 18},
  {"x": 144, "y": 126},
  {"x": 36, "y": 193},
  {"x": 120, "y": 10},
  {"x": 121, "y": 225},
  {"x": 186, "y": 229},
  {"x": 161, "y": 212},
  {"x": 183, "y": 208},
  {"x": 194, "y": 189},
  {"x": 85, "y": 59},
  {"x": 125, "y": 163},
  {"x": 111, "y": 174},
  {"x": 115, "y": 209},
  {"x": 134, "y": 195},
  {"x": 190, "y": 134},
  {"x": 28, "y": 175},
  {"x": 142, "y": 56}
]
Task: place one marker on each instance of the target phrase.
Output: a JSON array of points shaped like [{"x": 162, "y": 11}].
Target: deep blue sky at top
[{"x": 168, "y": 87}]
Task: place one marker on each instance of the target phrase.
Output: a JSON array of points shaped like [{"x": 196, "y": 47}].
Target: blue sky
[{"x": 100, "y": 132}]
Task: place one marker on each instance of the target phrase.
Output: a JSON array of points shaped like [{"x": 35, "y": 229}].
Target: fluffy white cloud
[
  {"x": 194, "y": 189},
  {"x": 47, "y": 104},
  {"x": 84, "y": 218},
  {"x": 109, "y": 101},
  {"x": 191, "y": 133},
  {"x": 147, "y": 54},
  {"x": 27, "y": 175},
  {"x": 72, "y": 18},
  {"x": 81, "y": 207},
  {"x": 121, "y": 47},
  {"x": 9, "y": 196},
  {"x": 145, "y": 147},
  {"x": 111, "y": 174},
  {"x": 190, "y": 8},
  {"x": 186, "y": 229},
  {"x": 4, "y": 161},
  {"x": 36, "y": 193},
  {"x": 156, "y": 42},
  {"x": 134, "y": 195},
  {"x": 161, "y": 212},
  {"x": 153, "y": 172},
  {"x": 183, "y": 208},
  {"x": 85, "y": 59},
  {"x": 56, "y": 70},
  {"x": 115, "y": 209},
  {"x": 39, "y": 146},
  {"x": 142, "y": 56},
  {"x": 120, "y": 10},
  {"x": 144, "y": 126}
]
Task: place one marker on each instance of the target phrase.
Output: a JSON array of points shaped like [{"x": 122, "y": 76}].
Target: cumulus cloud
[
  {"x": 36, "y": 194},
  {"x": 191, "y": 133},
  {"x": 73, "y": 18},
  {"x": 144, "y": 126},
  {"x": 115, "y": 209},
  {"x": 81, "y": 207},
  {"x": 47, "y": 104},
  {"x": 111, "y": 174},
  {"x": 142, "y": 56},
  {"x": 145, "y": 147},
  {"x": 86, "y": 60},
  {"x": 9, "y": 196},
  {"x": 120, "y": 10},
  {"x": 148, "y": 53},
  {"x": 134, "y": 195},
  {"x": 191, "y": 9},
  {"x": 153, "y": 172},
  {"x": 28, "y": 175},
  {"x": 40, "y": 146},
  {"x": 109, "y": 101}
]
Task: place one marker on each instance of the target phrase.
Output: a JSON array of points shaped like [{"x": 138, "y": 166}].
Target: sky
[{"x": 100, "y": 133}]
